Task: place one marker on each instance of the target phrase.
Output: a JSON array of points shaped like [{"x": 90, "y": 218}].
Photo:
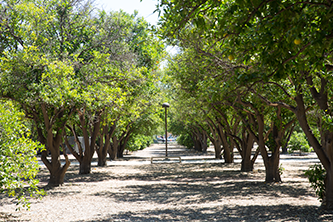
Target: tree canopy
[
  {"x": 66, "y": 63},
  {"x": 269, "y": 59}
]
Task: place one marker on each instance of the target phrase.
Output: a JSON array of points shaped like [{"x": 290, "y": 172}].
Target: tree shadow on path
[
  {"x": 224, "y": 213},
  {"x": 198, "y": 193}
]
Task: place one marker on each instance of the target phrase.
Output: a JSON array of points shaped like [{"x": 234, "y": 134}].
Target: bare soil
[{"x": 203, "y": 191}]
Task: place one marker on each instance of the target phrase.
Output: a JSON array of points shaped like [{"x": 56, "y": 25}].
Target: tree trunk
[
  {"x": 123, "y": 144},
  {"x": 227, "y": 152},
  {"x": 247, "y": 145},
  {"x": 247, "y": 164},
  {"x": 56, "y": 177},
  {"x": 324, "y": 151},
  {"x": 203, "y": 142},
  {"x": 104, "y": 147},
  {"x": 272, "y": 166},
  {"x": 101, "y": 161},
  {"x": 285, "y": 146},
  {"x": 214, "y": 138},
  {"x": 85, "y": 157},
  {"x": 102, "y": 152},
  {"x": 85, "y": 165},
  {"x": 272, "y": 170},
  {"x": 218, "y": 149},
  {"x": 52, "y": 142},
  {"x": 120, "y": 155},
  {"x": 197, "y": 145},
  {"x": 113, "y": 148},
  {"x": 328, "y": 196},
  {"x": 272, "y": 162},
  {"x": 113, "y": 152},
  {"x": 57, "y": 172}
]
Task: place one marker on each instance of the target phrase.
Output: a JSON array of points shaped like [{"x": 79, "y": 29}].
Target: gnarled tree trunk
[
  {"x": 123, "y": 144},
  {"x": 328, "y": 196},
  {"x": 203, "y": 142},
  {"x": 104, "y": 146},
  {"x": 247, "y": 145},
  {"x": 214, "y": 138},
  {"x": 197, "y": 144},
  {"x": 85, "y": 157},
  {"x": 102, "y": 154},
  {"x": 228, "y": 148},
  {"x": 57, "y": 172},
  {"x": 271, "y": 163},
  {"x": 324, "y": 151},
  {"x": 113, "y": 148},
  {"x": 52, "y": 142}
]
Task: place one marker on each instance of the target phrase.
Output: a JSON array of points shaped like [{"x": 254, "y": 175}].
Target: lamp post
[{"x": 166, "y": 105}]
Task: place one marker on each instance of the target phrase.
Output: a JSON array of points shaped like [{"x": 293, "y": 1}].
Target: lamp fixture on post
[{"x": 166, "y": 105}]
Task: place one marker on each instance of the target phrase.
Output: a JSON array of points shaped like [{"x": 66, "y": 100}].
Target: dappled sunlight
[
  {"x": 193, "y": 192},
  {"x": 203, "y": 191},
  {"x": 223, "y": 213}
]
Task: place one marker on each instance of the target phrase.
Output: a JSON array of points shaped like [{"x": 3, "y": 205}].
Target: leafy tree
[
  {"x": 18, "y": 162},
  {"x": 138, "y": 102},
  {"x": 138, "y": 142},
  {"x": 272, "y": 42},
  {"x": 42, "y": 73},
  {"x": 105, "y": 76}
]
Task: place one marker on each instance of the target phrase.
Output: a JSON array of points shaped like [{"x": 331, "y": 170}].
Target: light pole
[{"x": 166, "y": 105}]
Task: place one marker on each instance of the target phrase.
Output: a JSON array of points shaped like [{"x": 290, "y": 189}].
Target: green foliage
[
  {"x": 139, "y": 142},
  {"x": 185, "y": 140},
  {"x": 299, "y": 142},
  {"x": 281, "y": 169},
  {"x": 18, "y": 162},
  {"x": 316, "y": 175}
]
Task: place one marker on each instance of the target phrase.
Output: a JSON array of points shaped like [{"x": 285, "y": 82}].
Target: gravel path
[{"x": 133, "y": 190}]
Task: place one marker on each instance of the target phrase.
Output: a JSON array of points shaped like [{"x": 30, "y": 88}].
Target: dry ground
[{"x": 174, "y": 192}]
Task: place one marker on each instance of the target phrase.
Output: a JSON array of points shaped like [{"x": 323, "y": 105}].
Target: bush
[
  {"x": 316, "y": 175},
  {"x": 139, "y": 142},
  {"x": 185, "y": 140},
  {"x": 18, "y": 163},
  {"x": 298, "y": 142}
]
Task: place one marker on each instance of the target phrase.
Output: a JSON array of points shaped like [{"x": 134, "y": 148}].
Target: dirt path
[{"x": 189, "y": 191}]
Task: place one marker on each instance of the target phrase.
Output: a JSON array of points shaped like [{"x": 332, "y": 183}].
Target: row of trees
[
  {"x": 78, "y": 71},
  {"x": 248, "y": 71}
]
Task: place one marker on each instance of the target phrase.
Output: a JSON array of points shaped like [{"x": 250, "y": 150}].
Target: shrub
[
  {"x": 185, "y": 140},
  {"x": 299, "y": 142},
  {"x": 316, "y": 175},
  {"x": 139, "y": 142},
  {"x": 18, "y": 163}
]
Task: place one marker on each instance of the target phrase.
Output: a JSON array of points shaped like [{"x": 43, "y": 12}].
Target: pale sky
[{"x": 145, "y": 8}]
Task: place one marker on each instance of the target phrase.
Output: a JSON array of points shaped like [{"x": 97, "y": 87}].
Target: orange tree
[
  {"x": 286, "y": 44},
  {"x": 59, "y": 59}
]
